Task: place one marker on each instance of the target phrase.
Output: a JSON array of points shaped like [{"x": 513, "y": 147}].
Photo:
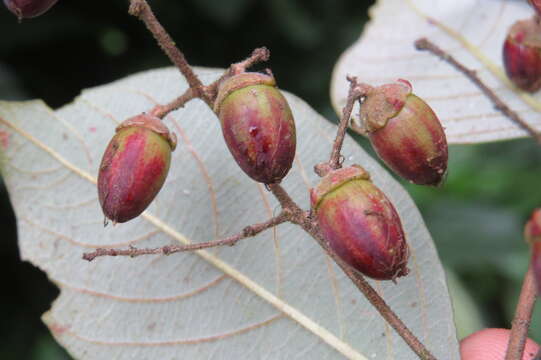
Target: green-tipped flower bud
[
  {"x": 532, "y": 233},
  {"x": 360, "y": 223},
  {"x": 257, "y": 125},
  {"x": 405, "y": 133},
  {"x": 134, "y": 167},
  {"x": 522, "y": 54}
]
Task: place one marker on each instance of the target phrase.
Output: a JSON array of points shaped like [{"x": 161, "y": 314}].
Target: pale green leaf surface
[
  {"x": 275, "y": 296},
  {"x": 473, "y": 31}
]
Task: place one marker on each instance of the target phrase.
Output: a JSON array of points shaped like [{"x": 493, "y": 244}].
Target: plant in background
[{"x": 352, "y": 219}]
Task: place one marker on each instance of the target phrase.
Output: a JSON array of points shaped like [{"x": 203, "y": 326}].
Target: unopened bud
[
  {"x": 360, "y": 224},
  {"x": 406, "y": 133},
  {"x": 257, "y": 125},
  {"x": 134, "y": 167}
]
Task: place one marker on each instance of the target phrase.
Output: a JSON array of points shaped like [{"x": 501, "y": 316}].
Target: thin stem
[
  {"x": 286, "y": 202},
  {"x": 523, "y": 317},
  {"x": 142, "y": 10},
  {"x": 356, "y": 92},
  {"x": 258, "y": 55},
  {"x": 290, "y": 210},
  {"x": 371, "y": 295},
  {"x": 161, "y": 111},
  {"x": 261, "y": 54},
  {"x": 425, "y": 44},
  {"x": 311, "y": 226},
  {"x": 247, "y": 232}
]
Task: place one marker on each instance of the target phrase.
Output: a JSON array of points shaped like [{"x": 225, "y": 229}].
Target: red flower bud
[
  {"x": 405, "y": 133},
  {"x": 134, "y": 167},
  {"x": 257, "y": 125},
  {"x": 522, "y": 55},
  {"x": 532, "y": 233},
  {"x": 360, "y": 223},
  {"x": 536, "y": 4},
  {"x": 28, "y": 8}
]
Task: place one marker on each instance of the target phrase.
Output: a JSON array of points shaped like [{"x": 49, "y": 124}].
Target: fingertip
[{"x": 491, "y": 344}]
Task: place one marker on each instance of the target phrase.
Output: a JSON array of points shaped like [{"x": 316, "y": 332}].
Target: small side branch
[
  {"x": 142, "y": 10},
  {"x": 356, "y": 92},
  {"x": 425, "y": 44},
  {"x": 247, "y": 232},
  {"x": 261, "y": 54},
  {"x": 211, "y": 91},
  {"x": 161, "y": 111},
  {"x": 523, "y": 317}
]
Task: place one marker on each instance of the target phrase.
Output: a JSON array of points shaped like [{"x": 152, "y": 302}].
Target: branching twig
[
  {"x": 523, "y": 317},
  {"x": 258, "y": 55},
  {"x": 261, "y": 54},
  {"x": 249, "y": 231},
  {"x": 142, "y": 10},
  {"x": 162, "y": 110},
  {"x": 425, "y": 44},
  {"x": 371, "y": 295},
  {"x": 290, "y": 210},
  {"x": 356, "y": 92},
  {"x": 303, "y": 219}
]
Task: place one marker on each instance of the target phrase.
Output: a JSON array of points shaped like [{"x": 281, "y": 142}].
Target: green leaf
[{"x": 274, "y": 296}]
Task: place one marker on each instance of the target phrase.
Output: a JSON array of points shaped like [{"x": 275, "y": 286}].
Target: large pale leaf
[
  {"x": 275, "y": 296},
  {"x": 473, "y": 31}
]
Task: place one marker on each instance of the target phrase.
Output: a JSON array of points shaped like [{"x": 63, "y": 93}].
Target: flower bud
[
  {"x": 257, "y": 125},
  {"x": 522, "y": 55},
  {"x": 536, "y": 4},
  {"x": 25, "y": 9},
  {"x": 134, "y": 167},
  {"x": 405, "y": 133},
  {"x": 532, "y": 233},
  {"x": 360, "y": 224}
]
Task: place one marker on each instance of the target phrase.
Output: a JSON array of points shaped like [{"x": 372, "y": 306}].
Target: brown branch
[
  {"x": 247, "y": 232},
  {"x": 356, "y": 92},
  {"x": 290, "y": 210},
  {"x": 425, "y": 44},
  {"x": 261, "y": 54},
  {"x": 523, "y": 317},
  {"x": 161, "y": 111},
  {"x": 142, "y": 10},
  {"x": 370, "y": 294},
  {"x": 286, "y": 202},
  {"x": 258, "y": 55},
  {"x": 304, "y": 219}
]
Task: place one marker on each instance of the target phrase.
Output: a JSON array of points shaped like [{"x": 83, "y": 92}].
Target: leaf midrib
[{"x": 293, "y": 313}]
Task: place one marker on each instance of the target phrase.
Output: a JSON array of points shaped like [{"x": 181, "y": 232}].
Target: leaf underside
[
  {"x": 472, "y": 31},
  {"x": 275, "y": 296}
]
